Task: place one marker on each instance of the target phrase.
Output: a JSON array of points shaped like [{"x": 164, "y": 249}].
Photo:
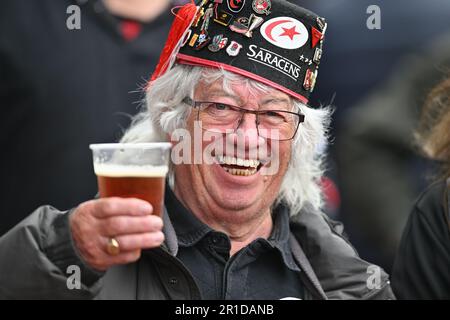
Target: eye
[
  {"x": 220, "y": 106},
  {"x": 277, "y": 116},
  {"x": 217, "y": 109},
  {"x": 272, "y": 113}
]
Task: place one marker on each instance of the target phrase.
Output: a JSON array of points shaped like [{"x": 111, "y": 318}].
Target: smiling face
[{"x": 233, "y": 190}]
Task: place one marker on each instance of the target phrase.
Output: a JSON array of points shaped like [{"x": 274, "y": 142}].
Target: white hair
[{"x": 165, "y": 112}]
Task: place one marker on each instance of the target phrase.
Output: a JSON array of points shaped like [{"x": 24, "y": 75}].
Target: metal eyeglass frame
[{"x": 195, "y": 104}]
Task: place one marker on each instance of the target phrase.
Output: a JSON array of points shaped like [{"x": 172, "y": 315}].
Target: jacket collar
[{"x": 170, "y": 243}]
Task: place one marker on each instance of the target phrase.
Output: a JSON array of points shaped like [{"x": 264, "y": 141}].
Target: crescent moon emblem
[{"x": 271, "y": 26}]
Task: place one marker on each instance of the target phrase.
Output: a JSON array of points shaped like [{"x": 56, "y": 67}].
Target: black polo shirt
[{"x": 265, "y": 269}]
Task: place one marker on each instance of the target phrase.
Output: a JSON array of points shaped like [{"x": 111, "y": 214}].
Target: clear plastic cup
[{"x": 136, "y": 170}]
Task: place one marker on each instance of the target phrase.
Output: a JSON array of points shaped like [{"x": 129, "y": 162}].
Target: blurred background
[
  {"x": 377, "y": 80},
  {"x": 64, "y": 87},
  {"x": 71, "y": 74}
]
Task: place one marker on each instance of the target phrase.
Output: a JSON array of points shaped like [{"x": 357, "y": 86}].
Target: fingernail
[
  {"x": 160, "y": 237},
  {"x": 160, "y": 222},
  {"x": 147, "y": 208}
]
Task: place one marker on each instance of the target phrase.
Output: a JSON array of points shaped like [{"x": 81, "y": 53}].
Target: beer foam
[{"x": 114, "y": 170}]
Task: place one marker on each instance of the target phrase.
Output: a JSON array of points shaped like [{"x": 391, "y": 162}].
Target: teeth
[
  {"x": 250, "y": 163},
  {"x": 240, "y": 172}
]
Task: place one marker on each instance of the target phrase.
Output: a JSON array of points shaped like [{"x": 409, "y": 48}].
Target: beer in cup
[{"x": 135, "y": 170}]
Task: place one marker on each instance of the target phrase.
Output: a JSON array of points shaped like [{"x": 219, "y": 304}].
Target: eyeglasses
[{"x": 219, "y": 117}]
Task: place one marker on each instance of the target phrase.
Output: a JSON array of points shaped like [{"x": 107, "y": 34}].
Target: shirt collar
[
  {"x": 190, "y": 230},
  {"x": 279, "y": 237}
]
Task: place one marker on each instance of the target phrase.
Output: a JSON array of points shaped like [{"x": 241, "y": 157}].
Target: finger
[
  {"x": 108, "y": 207},
  {"x": 123, "y": 225},
  {"x": 140, "y": 241},
  {"x": 125, "y": 257},
  {"x": 104, "y": 260}
]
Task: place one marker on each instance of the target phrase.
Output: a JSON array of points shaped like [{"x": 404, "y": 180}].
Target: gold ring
[{"x": 113, "y": 247}]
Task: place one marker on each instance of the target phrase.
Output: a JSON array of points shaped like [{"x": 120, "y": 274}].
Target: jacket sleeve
[
  {"x": 38, "y": 260},
  {"x": 341, "y": 272}
]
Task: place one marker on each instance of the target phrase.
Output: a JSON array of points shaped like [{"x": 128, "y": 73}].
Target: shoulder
[
  {"x": 341, "y": 272},
  {"x": 432, "y": 197},
  {"x": 430, "y": 205},
  {"x": 421, "y": 265},
  {"x": 311, "y": 224}
]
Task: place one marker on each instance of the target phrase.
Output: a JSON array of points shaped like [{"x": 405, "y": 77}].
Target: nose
[
  {"x": 246, "y": 136},
  {"x": 247, "y": 128},
  {"x": 247, "y": 125}
]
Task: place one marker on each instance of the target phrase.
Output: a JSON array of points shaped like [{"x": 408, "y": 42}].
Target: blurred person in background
[
  {"x": 62, "y": 89},
  {"x": 380, "y": 173},
  {"x": 421, "y": 269},
  {"x": 361, "y": 63}
]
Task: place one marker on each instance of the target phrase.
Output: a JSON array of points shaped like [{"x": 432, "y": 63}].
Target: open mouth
[{"x": 239, "y": 166}]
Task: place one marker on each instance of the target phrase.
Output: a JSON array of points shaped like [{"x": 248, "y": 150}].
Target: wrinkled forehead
[{"x": 238, "y": 88}]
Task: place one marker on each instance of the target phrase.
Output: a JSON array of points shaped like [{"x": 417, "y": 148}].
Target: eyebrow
[
  {"x": 275, "y": 100},
  {"x": 222, "y": 94},
  {"x": 219, "y": 92}
]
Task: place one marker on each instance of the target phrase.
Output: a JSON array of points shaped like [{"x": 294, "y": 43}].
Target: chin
[
  {"x": 235, "y": 195},
  {"x": 236, "y": 201}
]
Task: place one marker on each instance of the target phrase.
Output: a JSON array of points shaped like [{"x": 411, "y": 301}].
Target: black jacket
[{"x": 422, "y": 265}]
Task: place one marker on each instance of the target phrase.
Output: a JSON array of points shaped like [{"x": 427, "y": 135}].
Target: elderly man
[{"x": 243, "y": 223}]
